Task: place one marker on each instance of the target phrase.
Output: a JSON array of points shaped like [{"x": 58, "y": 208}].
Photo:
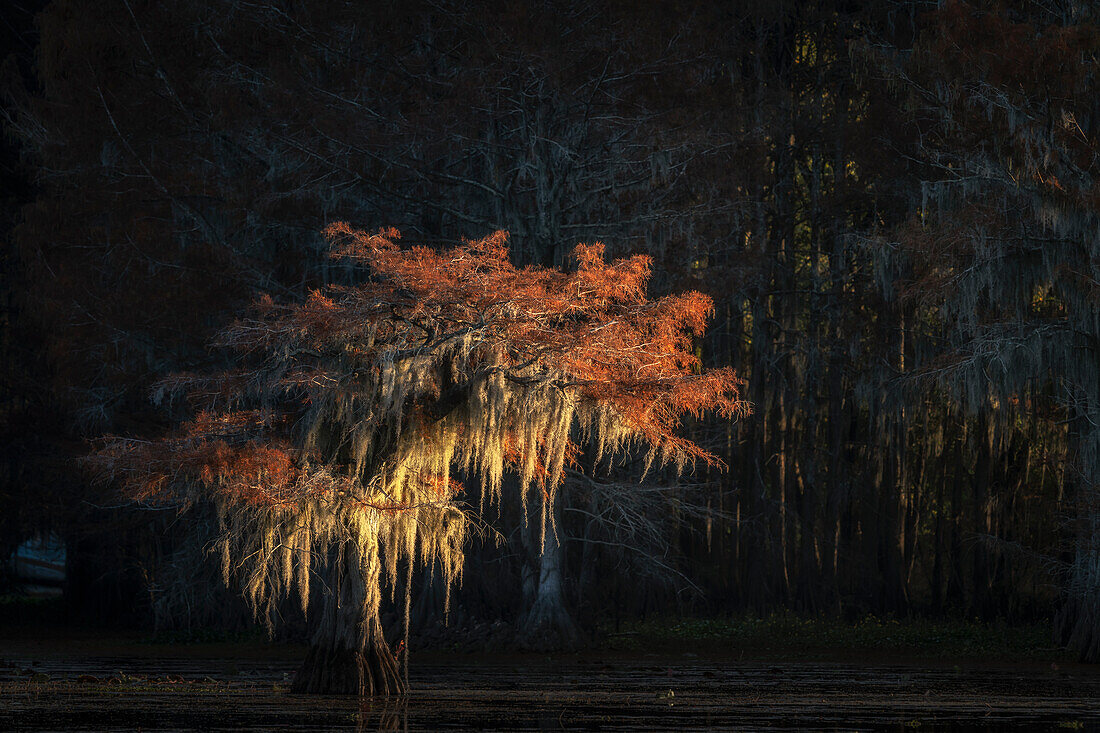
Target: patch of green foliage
[{"x": 790, "y": 635}]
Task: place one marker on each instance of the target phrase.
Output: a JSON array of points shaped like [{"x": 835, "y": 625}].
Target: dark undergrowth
[
  {"x": 789, "y": 636},
  {"x": 780, "y": 636},
  {"x": 17, "y": 609}
]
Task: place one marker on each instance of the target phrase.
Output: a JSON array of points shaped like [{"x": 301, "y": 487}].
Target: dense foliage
[{"x": 890, "y": 204}]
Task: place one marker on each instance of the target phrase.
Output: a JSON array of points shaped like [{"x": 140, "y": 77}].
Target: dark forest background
[{"x": 893, "y": 205}]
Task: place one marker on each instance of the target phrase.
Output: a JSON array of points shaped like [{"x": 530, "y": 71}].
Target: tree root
[{"x": 372, "y": 672}]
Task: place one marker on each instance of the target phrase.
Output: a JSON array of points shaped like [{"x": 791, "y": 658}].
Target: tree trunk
[
  {"x": 548, "y": 625},
  {"x": 349, "y": 654},
  {"x": 1077, "y": 623}
]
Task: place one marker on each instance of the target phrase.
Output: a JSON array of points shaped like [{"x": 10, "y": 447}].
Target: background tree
[
  {"x": 1004, "y": 251},
  {"x": 339, "y": 441}
]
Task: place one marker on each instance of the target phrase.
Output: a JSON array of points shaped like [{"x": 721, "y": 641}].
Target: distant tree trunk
[
  {"x": 547, "y": 625},
  {"x": 980, "y": 561},
  {"x": 1077, "y": 623},
  {"x": 430, "y": 601},
  {"x": 348, "y": 654}
]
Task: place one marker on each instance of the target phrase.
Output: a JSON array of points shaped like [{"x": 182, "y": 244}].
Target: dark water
[{"x": 661, "y": 693}]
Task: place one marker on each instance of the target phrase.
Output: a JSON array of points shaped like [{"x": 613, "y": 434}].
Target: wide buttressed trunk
[
  {"x": 349, "y": 654},
  {"x": 334, "y": 669},
  {"x": 1077, "y": 624}
]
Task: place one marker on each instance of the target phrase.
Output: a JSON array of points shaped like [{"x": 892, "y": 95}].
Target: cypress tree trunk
[
  {"x": 348, "y": 654},
  {"x": 548, "y": 625},
  {"x": 1077, "y": 624}
]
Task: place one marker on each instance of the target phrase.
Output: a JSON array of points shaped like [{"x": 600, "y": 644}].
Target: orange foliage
[
  {"x": 590, "y": 331},
  {"x": 594, "y": 324},
  {"x": 1018, "y": 89}
]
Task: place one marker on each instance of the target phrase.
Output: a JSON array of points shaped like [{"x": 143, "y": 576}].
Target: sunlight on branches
[{"x": 350, "y": 411}]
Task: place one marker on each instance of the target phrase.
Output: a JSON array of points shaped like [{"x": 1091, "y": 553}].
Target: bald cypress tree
[
  {"x": 1004, "y": 251},
  {"x": 333, "y": 447}
]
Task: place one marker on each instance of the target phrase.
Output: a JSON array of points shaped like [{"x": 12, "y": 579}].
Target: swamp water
[{"x": 106, "y": 693}]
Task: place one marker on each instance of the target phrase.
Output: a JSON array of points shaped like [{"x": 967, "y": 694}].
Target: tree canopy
[{"x": 350, "y": 413}]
